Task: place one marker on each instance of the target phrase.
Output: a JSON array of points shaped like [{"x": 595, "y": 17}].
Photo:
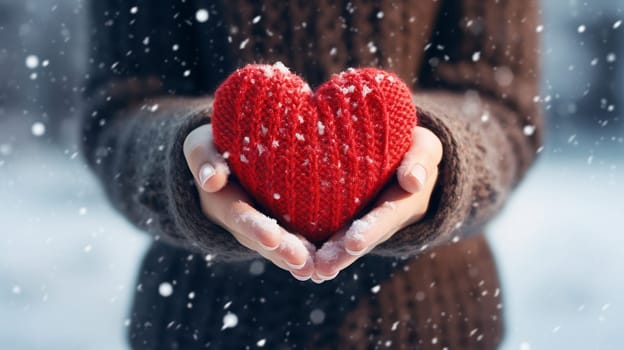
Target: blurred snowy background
[{"x": 68, "y": 262}]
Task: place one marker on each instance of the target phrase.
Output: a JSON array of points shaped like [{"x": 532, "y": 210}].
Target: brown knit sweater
[{"x": 473, "y": 66}]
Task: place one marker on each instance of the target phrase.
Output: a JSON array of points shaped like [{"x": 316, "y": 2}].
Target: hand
[
  {"x": 227, "y": 205},
  {"x": 399, "y": 206}
]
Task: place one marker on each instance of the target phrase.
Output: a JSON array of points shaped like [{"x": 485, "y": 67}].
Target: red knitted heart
[{"x": 312, "y": 160}]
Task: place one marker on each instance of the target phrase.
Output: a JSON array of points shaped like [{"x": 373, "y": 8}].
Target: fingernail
[
  {"x": 206, "y": 172},
  {"x": 267, "y": 248},
  {"x": 419, "y": 173},
  {"x": 328, "y": 277},
  {"x": 294, "y": 267},
  {"x": 301, "y": 278},
  {"x": 316, "y": 281},
  {"x": 355, "y": 252}
]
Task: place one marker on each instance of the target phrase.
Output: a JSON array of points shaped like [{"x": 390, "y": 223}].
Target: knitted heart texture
[{"x": 313, "y": 160}]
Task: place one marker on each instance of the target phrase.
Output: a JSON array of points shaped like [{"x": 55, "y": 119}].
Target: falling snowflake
[
  {"x": 476, "y": 56},
  {"x": 165, "y": 289},
  {"x": 202, "y": 15},
  {"x": 581, "y": 28},
  {"x": 528, "y": 130},
  {"x": 32, "y": 62},
  {"x": 38, "y": 129},
  {"x": 317, "y": 316},
  {"x": 230, "y": 320}
]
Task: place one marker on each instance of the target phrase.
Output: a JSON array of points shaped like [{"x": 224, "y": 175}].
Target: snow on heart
[{"x": 313, "y": 160}]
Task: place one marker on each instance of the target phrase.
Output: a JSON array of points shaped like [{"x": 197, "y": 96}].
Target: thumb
[
  {"x": 421, "y": 161},
  {"x": 208, "y": 167}
]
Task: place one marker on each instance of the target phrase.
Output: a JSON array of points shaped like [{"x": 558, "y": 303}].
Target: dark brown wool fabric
[{"x": 473, "y": 66}]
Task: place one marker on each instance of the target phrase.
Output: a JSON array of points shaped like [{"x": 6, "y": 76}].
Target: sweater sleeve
[
  {"x": 141, "y": 102},
  {"x": 480, "y": 97}
]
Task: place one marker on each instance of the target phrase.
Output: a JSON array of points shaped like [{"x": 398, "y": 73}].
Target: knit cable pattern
[{"x": 313, "y": 160}]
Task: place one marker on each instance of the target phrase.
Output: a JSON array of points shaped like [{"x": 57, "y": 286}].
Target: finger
[
  {"x": 307, "y": 270},
  {"x": 304, "y": 273},
  {"x": 366, "y": 232},
  {"x": 395, "y": 209},
  {"x": 230, "y": 208},
  {"x": 208, "y": 167},
  {"x": 331, "y": 258},
  {"x": 293, "y": 251},
  {"x": 247, "y": 220},
  {"x": 420, "y": 161},
  {"x": 253, "y": 245}
]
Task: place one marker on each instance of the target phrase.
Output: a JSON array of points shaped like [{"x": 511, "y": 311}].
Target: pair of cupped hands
[{"x": 401, "y": 204}]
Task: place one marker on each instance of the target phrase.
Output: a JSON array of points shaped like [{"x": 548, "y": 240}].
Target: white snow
[
  {"x": 243, "y": 43},
  {"x": 280, "y": 67},
  {"x": 321, "y": 128},
  {"x": 317, "y": 316},
  {"x": 476, "y": 56},
  {"x": 230, "y": 320},
  {"x": 528, "y": 130},
  {"x": 202, "y": 15},
  {"x": 331, "y": 249},
  {"x": 256, "y": 267},
  {"x": 372, "y": 48},
  {"x": 165, "y": 289},
  {"x": 38, "y": 129},
  {"x": 259, "y": 220},
  {"x": 290, "y": 242},
  {"x": 617, "y": 24},
  {"x": 366, "y": 90},
  {"x": 359, "y": 227},
  {"x": 581, "y": 28},
  {"x": 32, "y": 61}
]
